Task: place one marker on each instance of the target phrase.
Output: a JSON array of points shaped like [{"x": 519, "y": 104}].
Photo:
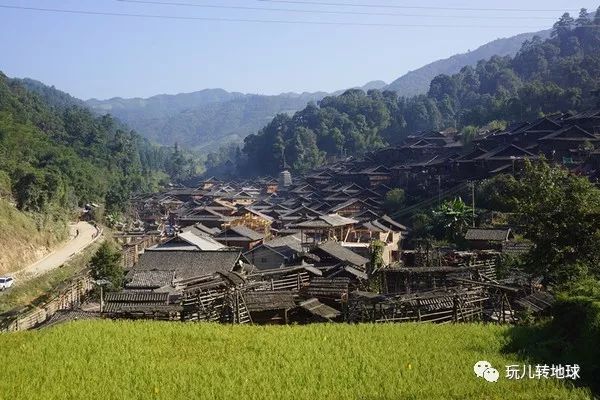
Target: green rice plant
[{"x": 166, "y": 360}]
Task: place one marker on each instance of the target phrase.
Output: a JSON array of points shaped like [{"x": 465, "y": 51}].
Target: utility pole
[
  {"x": 439, "y": 179},
  {"x": 102, "y": 283},
  {"x": 473, "y": 201}
]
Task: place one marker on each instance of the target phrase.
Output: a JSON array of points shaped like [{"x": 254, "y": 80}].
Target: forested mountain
[
  {"x": 417, "y": 82},
  {"x": 203, "y": 119},
  {"x": 558, "y": 74},
  {"x": 49, "y": 94},
  {"x": 55, "y": 155}
]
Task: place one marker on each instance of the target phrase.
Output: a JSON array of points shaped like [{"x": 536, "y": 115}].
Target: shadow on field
[{"x": 550, "y": 344}]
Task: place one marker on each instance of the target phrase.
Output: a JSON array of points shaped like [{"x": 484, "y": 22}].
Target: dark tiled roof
[
  {"x": 188, "y": 264},
  {"x": 111, "y": 308},
  {"x": 286, "y": 244},
  {"x": 335, "y": 250},
  {"x": 586, "y": 114},
  {"x": 267, "y": 300},
  {"x": 315, "y": 307},
  {"x": 149, "y": 279},
  {"x": 346, "y": 204},
  {"x": 130, "y": 296},
  {"x": 571, "y": 133},
  {"x": 390, "y": 223},
  {"x": 241, "y": 232},
  {"x": 199, "y": 228},
  {"x": 487, "y": 234},
  {"x": 327, "y": 221},
  {"x": 328, "y": 287}
]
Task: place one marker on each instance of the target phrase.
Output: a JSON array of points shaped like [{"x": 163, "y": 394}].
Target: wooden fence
[
  {"x": 68, "y": 298},
  {"x": 133, "y": 245},
  {"x": 441, "y": 306},
  {"x": 293, "y": 281}
]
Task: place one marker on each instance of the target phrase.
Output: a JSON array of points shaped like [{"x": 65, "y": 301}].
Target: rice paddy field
[{"x": 161, "y": 360}]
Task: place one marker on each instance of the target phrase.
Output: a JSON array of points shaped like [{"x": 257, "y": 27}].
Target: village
[
  {"x": 323, "y": 248},
  {"x": 300, "y": 200}
]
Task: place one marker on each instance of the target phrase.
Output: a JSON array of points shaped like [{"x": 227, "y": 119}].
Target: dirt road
[{"x": 82, "y": 235}]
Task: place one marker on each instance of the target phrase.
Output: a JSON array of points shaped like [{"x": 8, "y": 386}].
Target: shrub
[{"x": 577, "y": 322}]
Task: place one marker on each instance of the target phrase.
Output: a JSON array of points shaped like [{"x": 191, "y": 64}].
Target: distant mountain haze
[
  {"x": 209, "y": 118},
  {"x": 204, "y": 119}
]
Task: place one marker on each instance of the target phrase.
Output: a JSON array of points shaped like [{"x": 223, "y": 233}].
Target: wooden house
[
  {"x": 275, "y": 253},
  {"x": 269, "y": 307},
  {"x": 324, "y": 227},
  {"x": 240, "y": 236}
]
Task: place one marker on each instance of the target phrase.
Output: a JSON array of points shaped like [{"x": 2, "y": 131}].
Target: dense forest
[
  {"x": 558, "y": 74},
  {"x": 56, "y": 155},
  {"x": 417, "y": 82}
]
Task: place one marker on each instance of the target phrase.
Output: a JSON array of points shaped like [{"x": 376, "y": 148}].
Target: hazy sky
[{"x": 105, "y": 56}]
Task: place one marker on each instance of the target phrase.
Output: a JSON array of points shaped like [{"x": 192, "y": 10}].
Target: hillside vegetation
[
  {"x": 56, "y": 155},
  {"x": 24, "y": 238},
  {"x": 558, "y": 74},
  {"x": 143, "y": 360},
  {"x": 417, "y": 82}
]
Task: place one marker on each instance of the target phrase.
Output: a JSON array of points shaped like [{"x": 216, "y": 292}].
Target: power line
[
  {"x": 268, "y": 21},
  {"x": 390, "y": 14},
  {"x": 318, "y": 3}
]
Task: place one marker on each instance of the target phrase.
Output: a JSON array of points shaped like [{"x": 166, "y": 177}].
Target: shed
[
  {"x": 319, "y": 311},
  {"x": 482, "y": 239},
  {"x": 270, "y": 307}
]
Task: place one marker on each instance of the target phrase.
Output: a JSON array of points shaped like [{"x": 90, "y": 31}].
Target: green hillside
[
  {"x": 152, "y": 360},
  {"x": 25, "y": 237},
  {"x": 417, "y": 82},
  {"x": 56, "y": 155}
]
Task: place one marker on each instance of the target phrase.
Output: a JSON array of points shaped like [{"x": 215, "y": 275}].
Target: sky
[{"x": 322, "y": 46}]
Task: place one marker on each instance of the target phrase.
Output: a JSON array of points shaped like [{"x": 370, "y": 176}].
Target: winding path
[{"x": 82, "y": 235}]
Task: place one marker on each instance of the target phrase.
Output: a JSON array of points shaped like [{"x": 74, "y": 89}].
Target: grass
[
  {"x": 37, "y": 289},
  {"x": 22, "y": 239},
  {"x": 161, "y": 360}
]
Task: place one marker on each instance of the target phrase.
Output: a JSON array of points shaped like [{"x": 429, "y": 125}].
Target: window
[
  {"x": 597, "y": 130},
  {"x": 263, "y": 259}
]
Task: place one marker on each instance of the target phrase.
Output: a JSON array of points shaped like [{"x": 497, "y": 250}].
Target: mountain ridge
[
  {"x": 417, "y": 82},
  {"x": 205, "y": 119}
]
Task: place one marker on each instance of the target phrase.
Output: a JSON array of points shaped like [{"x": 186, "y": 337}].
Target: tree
[
  {"x": 560, "y": 213},
  {"x": 376, "y": 263},
  {"x": 467, "y": 134},
  {"x": 106, "y": 264},
  {"x": 583, "y": 20},
  {"x": 394, "y": 200},
  {"x": 421, "y": 225},
  {"x": 500, "y": 193},
  {"x": 563, "y": 26},
  {"x": 454, "y": 217}
]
